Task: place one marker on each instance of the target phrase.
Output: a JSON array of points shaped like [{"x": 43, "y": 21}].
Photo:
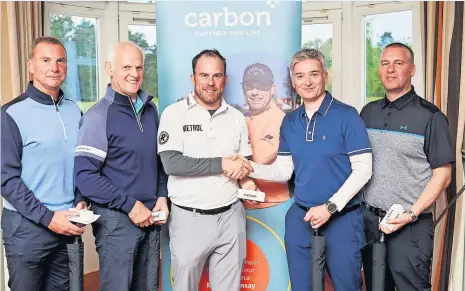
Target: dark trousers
[
  {"x": 37, "y": 258},
  {"x": 409, "y": 254},
  {"x": 344, "y": 240},
  {"x": 128, "y": 255}
]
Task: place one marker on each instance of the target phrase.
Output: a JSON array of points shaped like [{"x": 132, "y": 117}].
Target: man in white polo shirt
[{"x": 207, "y": 223}]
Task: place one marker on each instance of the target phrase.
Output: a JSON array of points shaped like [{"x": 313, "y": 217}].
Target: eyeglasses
[{"x": 259, "y": 87}]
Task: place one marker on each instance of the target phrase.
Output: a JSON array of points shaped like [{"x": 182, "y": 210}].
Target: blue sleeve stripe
[
  {"x": 360, "y": 151},
  {"x": 284, "y": 153}
]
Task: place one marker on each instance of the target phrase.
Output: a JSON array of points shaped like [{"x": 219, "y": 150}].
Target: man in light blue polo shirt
[{"x": 326, "y": 143}]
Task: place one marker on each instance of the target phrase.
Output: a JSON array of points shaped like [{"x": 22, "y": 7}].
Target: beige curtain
[
  {"x": 443, "y": 27},
  {"x": 457, "y": 274},
  {"x": 21, "y": 23}
]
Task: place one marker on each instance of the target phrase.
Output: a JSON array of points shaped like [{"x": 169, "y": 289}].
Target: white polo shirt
[{"x": 187, "y": 127}]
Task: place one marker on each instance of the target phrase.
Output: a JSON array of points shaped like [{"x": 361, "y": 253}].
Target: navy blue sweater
[{"x": 116, "y": 160}]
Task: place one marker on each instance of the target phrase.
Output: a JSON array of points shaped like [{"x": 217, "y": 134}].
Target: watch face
[{"x": 332, "y": 207}]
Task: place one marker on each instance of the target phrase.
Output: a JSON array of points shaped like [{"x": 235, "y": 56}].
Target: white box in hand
[
  {"x": 394, "y": 212},
  {"x": 251, "y": 195},
  {"x": 159, "y": 215}
]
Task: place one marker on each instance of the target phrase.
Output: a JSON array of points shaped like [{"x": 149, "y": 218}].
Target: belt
[
  {"x": 376, "y": 211},
  {"x": 381, "y": 212},
  {"x": 206, "y": 211},
  {"x": 337, "y": 213}
]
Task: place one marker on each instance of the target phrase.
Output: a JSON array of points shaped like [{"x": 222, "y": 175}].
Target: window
[
  {"x": 321, "y": 29},
  {"x": 320, "y": 36},
  {"x": 79, "y": 35},
  {"x": 145, "y": 37},
  {"x": 376, "y": 25},
  {"x": 350, "y": 34},
  {"x": 140, "y": 28},
  {"x": 381, "y": 30}
]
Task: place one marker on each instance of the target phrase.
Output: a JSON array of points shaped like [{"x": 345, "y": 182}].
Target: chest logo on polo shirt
[
  {"x": 192, "y": 127},
  {"x": 163, "y": 138},
  {"x": 403, "y": 127}
]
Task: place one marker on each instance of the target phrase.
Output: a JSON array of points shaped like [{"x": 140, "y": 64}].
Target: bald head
[
  {"x": 125, "y": 67},
  {"x": 123, "y": 46}
]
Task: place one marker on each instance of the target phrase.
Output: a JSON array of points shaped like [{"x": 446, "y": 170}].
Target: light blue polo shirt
[{"x": 320, "y": 147}]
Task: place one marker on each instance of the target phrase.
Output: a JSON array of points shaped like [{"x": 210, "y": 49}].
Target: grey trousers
[{"x": 197, "y": 239}]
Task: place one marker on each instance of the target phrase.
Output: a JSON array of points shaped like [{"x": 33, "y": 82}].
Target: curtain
[
  {"x": 21, "y": 23},
  {"x": 442, "y": 32}
]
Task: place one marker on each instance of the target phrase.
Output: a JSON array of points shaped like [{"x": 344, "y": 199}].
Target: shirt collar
[
  {"x": 324, "y": 107},
  {"x": 138, "y": 104},
  {"x": 191, "y": 103},
  {"x": 42, "y": 97},
  {"x": 400, "y": 102}
]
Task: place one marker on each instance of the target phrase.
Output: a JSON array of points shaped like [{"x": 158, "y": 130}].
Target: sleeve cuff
[
  {"x": 129, "y": 204},
  {"x": 162, "y": 192},
  {"x": 45, "y": 220},
  {"x": 80, "y": 198},
  {"x": 442, "y": 163},
  {"x": 216, "y": 166},
  {"x": 360, "y": 151}
]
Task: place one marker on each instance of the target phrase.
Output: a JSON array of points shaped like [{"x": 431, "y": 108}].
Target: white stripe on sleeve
[{"x": 91, "y": 150}]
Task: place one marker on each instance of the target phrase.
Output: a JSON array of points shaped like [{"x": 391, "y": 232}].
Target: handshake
[{"x": 236, "y": 167}]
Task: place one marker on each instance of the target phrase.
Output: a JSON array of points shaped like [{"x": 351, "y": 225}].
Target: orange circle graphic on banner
[{"x": 255, "y": 273}]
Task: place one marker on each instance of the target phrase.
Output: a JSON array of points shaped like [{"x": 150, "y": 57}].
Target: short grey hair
[
  {"x": 47, "y": 40},
  {"x": 112, "y": 52},
  {"x": 308, "y": 54}
]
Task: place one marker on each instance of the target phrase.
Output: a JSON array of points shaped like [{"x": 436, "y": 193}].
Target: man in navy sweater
[
  {"x": 39, "y": 131},
  {"x": 117, "y": 168}
]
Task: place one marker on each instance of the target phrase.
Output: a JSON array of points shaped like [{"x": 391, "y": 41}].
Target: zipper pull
[{"x": 56, "y": 106}]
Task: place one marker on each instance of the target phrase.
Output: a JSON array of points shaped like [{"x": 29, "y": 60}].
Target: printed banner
[{"x": 257, "y": 38}]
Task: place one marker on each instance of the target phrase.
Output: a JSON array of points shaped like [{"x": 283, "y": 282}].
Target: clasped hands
[
  {"x": 141, "y": 216},
  {"x": 236, "y": 167}
]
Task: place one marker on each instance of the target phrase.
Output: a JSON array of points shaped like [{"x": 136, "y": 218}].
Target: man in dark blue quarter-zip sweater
[
  {"x": 117, "y": 168},
  {"x": 39, "y": 131}
]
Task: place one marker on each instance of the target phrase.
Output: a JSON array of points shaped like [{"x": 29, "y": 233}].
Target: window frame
[
  {"x": 333, "y": 17},
  {"x": 133, "y": 18},
  {"x": 88, "y": 12},
  {"x": 360, "y": 12}
]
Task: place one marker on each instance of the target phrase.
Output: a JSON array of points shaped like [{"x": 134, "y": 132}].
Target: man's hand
[
  {"x": 81, "y": 206},
  {"x": 162, "y": 205},
  {"x": 236, "y": 167},
  {"x": 396, "y": 223},
  {"x": 60, "y": 223},
  {"x": 249, "y": 184},
  {"x": 317, "y": 216},
  {"x": 141, "y": 215}
]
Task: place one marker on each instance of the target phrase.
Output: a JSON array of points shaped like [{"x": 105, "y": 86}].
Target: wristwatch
[
  {"x": 331, "y": 207},
  {"x": 411, "y": 214}
]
